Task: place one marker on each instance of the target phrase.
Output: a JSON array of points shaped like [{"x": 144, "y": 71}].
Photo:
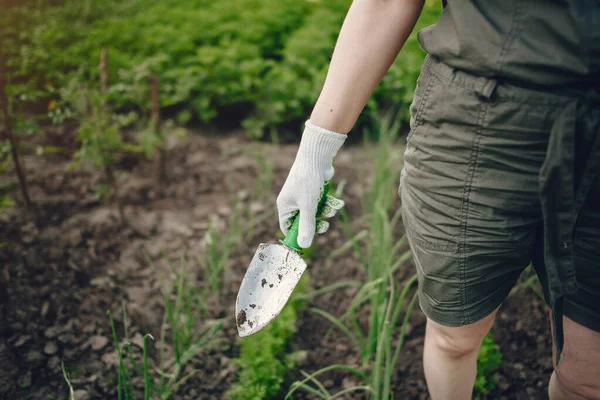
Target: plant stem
[{"x": 13, "y": 139}]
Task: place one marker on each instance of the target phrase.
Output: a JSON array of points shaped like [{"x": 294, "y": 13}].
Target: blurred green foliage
[
  {"x": 489, "y": 360},
  {"x": 267, "y": 59}
]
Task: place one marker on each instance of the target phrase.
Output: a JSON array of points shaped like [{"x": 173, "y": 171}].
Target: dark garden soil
[{"x": 64, "y": 265}]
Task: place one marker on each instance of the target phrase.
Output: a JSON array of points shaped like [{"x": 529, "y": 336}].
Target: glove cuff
[{"x": 319, "y": 143}]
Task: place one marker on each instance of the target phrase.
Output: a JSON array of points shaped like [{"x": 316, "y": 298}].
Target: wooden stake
[
  {"x": 104, "y": 70},
  {"x": 14, "y": 141},
  {"x": 155, "y": 106}
]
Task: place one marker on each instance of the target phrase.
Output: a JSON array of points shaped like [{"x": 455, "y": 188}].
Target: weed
[{"x": 67, "y": 379}]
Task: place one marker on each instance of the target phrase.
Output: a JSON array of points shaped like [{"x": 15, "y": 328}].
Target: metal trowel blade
[{"x": 274, "y": 272}]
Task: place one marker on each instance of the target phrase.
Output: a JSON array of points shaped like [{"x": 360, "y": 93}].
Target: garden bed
[{"x": 67, "y": 263}]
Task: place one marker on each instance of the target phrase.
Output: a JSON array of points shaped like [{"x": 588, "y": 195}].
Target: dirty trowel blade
[{"x": 274, "y": 272}]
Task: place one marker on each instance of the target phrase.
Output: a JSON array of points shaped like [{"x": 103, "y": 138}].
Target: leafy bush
[
  {"x": 265, "y": 58},
  {"x": 489, "y": 360}
]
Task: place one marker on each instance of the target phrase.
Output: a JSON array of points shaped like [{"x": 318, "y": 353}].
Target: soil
[{"x": 71, "y": 259}]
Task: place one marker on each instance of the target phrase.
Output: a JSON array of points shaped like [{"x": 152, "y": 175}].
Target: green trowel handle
[{"x": 291, "y": 239}]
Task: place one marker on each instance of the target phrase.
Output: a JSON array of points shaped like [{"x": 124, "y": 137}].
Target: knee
[
  {"x": 576, "y": 386},
  {"x": 456, "y": 342}
]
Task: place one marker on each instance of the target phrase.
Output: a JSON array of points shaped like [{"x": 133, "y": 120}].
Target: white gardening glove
[{"x": 304, "y": 184}]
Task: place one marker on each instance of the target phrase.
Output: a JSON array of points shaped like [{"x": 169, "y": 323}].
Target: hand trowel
[{"x": 272, "y": 275}]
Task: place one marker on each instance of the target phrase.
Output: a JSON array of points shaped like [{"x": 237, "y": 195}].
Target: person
[{"x": 501, "y": 169}]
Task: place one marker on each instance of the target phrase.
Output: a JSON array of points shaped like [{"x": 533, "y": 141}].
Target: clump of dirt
[{"x": 241, "y": 318}]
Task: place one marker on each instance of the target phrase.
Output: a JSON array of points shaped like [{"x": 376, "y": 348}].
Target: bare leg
[
  {"x": 578, "y": 373},
  {"x": 450, "y": 358}
]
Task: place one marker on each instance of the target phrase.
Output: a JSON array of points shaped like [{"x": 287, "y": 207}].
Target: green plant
[
  {"x": 489, "y": 360},
  {"x": 184, "y": 314},
  {"x": 184, "y": 334},
  {"x": 218, "y": 244},
  {"x": 265, "y": 58},
  {"x": 140, "y": 86},
  {"x": 99, "y": 132},
  {"x": 5, "y": 202},
  {"x": 124, "y": 385},
  {"x": 264, "y": 359},
  {"x": 388, "y": 307},
  {"x": 67, "y": 378},
  {"x": 10, "y": 135}
]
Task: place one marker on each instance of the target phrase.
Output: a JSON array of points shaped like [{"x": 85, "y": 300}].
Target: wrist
[{"x": 320, "y": 144}]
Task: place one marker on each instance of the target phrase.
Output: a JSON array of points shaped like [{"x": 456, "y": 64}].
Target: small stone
[
  {"x": 138, "y": 340},
  {"x": 53, "y": 363},
  {"x": 55, "y": 253},
  {"x": 173, "y": 224},
  {"x": 257, "y": 207},
  {"x": 27, "y": 239},
  {"x": 74, "y": 237},
  {"x": 22, "y": 340},
  {"x": 102, "y": 281},
  {"x": 25, "y": 380},
  {"x": 200, "y": 226},
  {"x": 35, "y": 357},
  {"x": 17, "y": 326},
  {"x": 243, "y": 195},
  {"x": 518, "y": 366},
  {"x": 52, "y": 332},
  {"x": 348, "y": 383},
  {"x": 66, "y": 338},
  {"x": 503, "y": 385},
  {"x": 45, "y": 308},
  {"x": 50, "y": 348},
  {"x": 98, "y": 342},
  {"x": 110, "y": 359},
  {"x": 81, "y": 394},
  {"x": 224, "y": 211}
]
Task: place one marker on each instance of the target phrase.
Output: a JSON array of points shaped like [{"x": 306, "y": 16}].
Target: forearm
[{"x": 372, "y": 34}]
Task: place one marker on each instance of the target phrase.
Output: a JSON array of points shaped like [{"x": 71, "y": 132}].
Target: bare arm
[{"x": 371, "y": 37}]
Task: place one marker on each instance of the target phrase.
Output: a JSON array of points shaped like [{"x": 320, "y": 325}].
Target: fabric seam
[
  {"x": 464, "y": 214},
  {"x": 514, "y": 29},
  {"x": 448, "y": 81},
  {"x": 418, "y": 116}
]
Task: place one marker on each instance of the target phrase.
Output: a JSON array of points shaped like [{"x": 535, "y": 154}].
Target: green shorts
[{"x": 471, "y": 199}]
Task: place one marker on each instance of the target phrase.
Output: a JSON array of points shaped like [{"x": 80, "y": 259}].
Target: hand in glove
[{"x": 304, "y": 185}]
